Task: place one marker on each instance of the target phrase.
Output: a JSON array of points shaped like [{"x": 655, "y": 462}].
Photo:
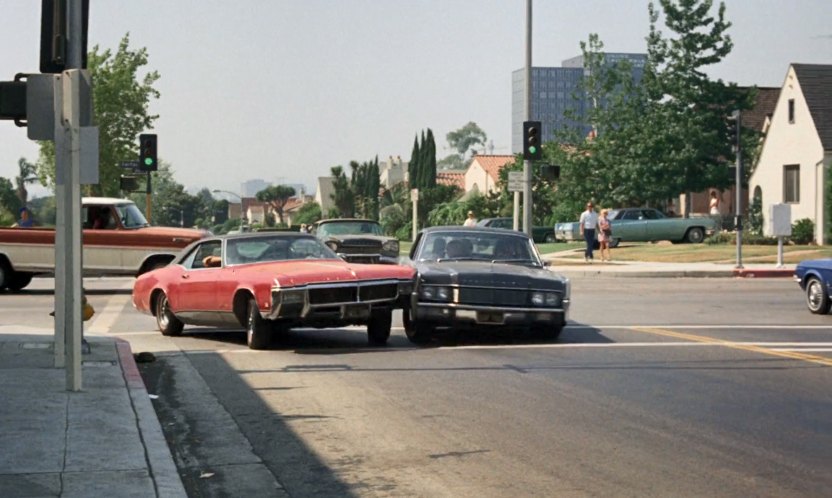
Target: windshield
[
  {"x": 131, "y": 216},
  {"x": 265, "y": 249},
  {"x": 357, "y": 227},
  {"x": 466, "y": 245}
]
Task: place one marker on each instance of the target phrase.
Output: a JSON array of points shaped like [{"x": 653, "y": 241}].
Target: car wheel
[
  {"x": 614, "y": 243},
  {"x": 19, "y": 280},
  {"x": 257, "y": 329},
  {"x": 816, "y": 297},
  {"x": 165, "y": 319},
  {"x": 550, "y": 237},
  {"x": 550, "y": 331},
  {"x": 695, "y": 235},
  {"x": 6, "y": 274},
  {"x": 378, "y": 329},
  {"x": 418, "y": 332}
]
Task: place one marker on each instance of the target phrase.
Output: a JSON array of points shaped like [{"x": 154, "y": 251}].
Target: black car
[
  {"x": 358, "y": 240},
  {"x": 539, "y": 234},
  {"x": 483, "y": 278}
]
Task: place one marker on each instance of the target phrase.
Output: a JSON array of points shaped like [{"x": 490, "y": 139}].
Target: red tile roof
[
  {"x": 492, "y": 164},
  {"x": 451, "y": 178}
]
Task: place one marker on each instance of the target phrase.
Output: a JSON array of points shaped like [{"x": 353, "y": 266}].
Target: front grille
[
  {"x": 360, "y": 246},
  {"x": 332, "y": 295},
  {"x": 361, "y": 259},
  {"x": 504, "y": 297},
  {"x": 382, "y": 291}
]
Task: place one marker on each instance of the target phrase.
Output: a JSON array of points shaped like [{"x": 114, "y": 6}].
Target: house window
[
  {"x": 791, "y": 183},
  {"x": 791, "y": 111}
]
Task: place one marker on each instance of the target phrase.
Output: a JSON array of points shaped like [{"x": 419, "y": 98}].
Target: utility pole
[
  {"x": 68, "y": 250},
  {"x": 738, "y": 183},
  {"x": 527, "y": 167}
]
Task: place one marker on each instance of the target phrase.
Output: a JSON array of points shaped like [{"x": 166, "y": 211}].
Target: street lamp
[{"x": 218, "y": 191}]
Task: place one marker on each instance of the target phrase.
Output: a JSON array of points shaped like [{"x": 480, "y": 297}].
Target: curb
[
  {"x": 746, "y": 273},
  {"x": 159, "y": 459}
]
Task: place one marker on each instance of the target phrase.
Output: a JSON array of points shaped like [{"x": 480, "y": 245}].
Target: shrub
[
  {"x": 747, "y": 239},
  {"x": 803, "y": 231},
  {"x": 755, "y": 216}
]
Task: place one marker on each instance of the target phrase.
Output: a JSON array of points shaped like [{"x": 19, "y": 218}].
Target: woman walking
[{"x": 604, "y": 235}]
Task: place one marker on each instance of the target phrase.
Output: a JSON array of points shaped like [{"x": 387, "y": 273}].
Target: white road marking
[
  {"x": 805, "y": 350},
  {"x": 103, "y": 321}
]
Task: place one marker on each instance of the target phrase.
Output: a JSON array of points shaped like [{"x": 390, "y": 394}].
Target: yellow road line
[{"x": 820, "y": 360}]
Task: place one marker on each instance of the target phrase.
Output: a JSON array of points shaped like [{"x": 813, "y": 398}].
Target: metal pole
[
  {"x": 516, "y": 214},
  {"x": 148, "y": 199},
  {"x": 415, "y": 221},
  {"x": 527, "y": 167},
  {"x": 738, "y": 183}
]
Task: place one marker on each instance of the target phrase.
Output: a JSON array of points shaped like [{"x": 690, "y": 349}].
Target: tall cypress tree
[
  {"x": 413, "y": 166},
  {"x": 430, "y": 161}
]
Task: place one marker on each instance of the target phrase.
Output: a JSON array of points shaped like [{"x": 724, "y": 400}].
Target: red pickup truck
[{"x": 117, "y": 240}]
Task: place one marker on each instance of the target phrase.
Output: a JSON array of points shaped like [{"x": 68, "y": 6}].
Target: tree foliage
[
  {"x": 465, "y": 138},
  {"x": 121, "y": 100},
  {"x": 276, "y": 196}
]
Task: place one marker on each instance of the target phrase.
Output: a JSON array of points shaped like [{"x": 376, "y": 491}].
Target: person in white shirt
[
  {"x": 589, "y": 223},
  {"x": 471, "y": 221}
]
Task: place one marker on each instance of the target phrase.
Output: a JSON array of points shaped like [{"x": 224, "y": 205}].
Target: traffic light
[
  {"x": 532, "y": 131},
  {"x": 550, "y": 172},
  {"x": 129, "y": 184},
  {"x": 53, "y": 35},
  {"x": 147, "y": 153},
  {"x": 734, "y": 129},
  {"x": 13, "y": 100}
]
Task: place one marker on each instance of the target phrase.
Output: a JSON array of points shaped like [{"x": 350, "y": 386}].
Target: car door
[
  {"x": 629, "y": 226},
  {"x": 196, "y": 293},
  {"x": 658, "y": 227}
]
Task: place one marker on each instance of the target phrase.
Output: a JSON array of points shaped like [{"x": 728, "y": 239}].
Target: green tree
[
  {"x": 276, "y": 196},
  {"x": 121, "y": 99},
  {"x": 308, "y": 213},
  {"x": 27, "y": 174},
  {"x": 466, "y": 138},
  {"x": 9, "y": 202},
  {"x": 342, "y": 194}
]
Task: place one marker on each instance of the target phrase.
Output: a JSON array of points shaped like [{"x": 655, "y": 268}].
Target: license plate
[
  {"x": 492, "y": 317},
  {"x": 356, "y": 312}
]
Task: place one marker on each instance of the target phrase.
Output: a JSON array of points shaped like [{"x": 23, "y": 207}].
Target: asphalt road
[{"x": 657, "y": 387}]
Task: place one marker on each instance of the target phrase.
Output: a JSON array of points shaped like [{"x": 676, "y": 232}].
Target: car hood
[
  {"x": 348, "y": 238},
  {"x": 304, "y": 272},
  {"x": 487, "y": 274},
  {"x": 817, "y": 264}
]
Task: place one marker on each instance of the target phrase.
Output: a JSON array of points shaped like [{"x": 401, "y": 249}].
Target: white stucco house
[{"x": 794, "y": 162}]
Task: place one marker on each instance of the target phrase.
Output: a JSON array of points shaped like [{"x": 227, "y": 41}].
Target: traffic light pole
[
  {"x": 738, "y": 187},
  {"x": 527, "y": 167},
  {"x": 148, "y": 199}
]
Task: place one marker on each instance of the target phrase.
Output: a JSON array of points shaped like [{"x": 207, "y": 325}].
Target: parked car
[
  {"x": 483, "y": 278},
  {"x": 815, "y": 278},
  {"x": 645, "y": 225},
  {"x": 539, "y": 234},
  {"x": 358, "y": 240},
  {"x": 269, "y": 283}
]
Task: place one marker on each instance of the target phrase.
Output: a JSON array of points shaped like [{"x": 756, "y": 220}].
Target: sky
[{"x": 282, "y": 90}]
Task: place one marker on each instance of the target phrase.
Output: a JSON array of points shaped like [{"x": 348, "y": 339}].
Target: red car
[{"x": 269, "y": 283}]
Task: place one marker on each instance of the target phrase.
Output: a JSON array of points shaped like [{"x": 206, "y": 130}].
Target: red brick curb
[
  {"x": 747, "y": 273},
  {"x": 128, "y": 365}
]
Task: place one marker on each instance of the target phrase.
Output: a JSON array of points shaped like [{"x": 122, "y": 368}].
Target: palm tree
[{"x": 27, "y": 175}]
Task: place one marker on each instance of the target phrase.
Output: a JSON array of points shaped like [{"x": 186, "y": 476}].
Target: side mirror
[{"x": 546, "y": 263}]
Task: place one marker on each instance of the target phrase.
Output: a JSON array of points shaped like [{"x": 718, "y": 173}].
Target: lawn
[{"x": 665, "y": 252}]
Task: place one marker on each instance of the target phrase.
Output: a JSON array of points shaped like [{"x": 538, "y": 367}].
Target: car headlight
[
  {"x": 431, "y": 293},
  {"x": 405, "y": 288},
  {"x": 538, "y": 299},
  {"x": 292, "y": 297},
  {"x": 552, "y": 299},
  {"x": 391, "y": 246},
  {"x": 332, "y": 245}
]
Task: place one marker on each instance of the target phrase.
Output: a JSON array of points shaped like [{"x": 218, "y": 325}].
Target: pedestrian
[
  {"x": 303, "y": 228},
  {"x": 471, "y": 221},
  {"x": 589, "y": 222},
  {"x": 25, "y": 220},
  {"x": 604, "y": 235},
  {"x": 714, "y": 210}
]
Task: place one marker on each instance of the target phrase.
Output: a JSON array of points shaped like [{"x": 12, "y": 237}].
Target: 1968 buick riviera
[
  {"x": 484, "y": 278},
  {"x": 269, "y": 283}
]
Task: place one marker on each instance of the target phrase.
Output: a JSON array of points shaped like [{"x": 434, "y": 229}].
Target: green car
[{"x": 645, "y": 225}]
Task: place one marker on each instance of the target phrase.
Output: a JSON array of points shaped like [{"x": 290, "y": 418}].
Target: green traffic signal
[
  {"x": 148, "y": 161},
  {"x": 532, "y": 150}
]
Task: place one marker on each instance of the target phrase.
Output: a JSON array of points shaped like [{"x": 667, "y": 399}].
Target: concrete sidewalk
[
  {"x": 573, "y": 267},
  {"x": 102, "y": 441}
]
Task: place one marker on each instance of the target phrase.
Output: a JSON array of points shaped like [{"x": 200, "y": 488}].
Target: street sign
[
  {"x": 515, "y": 181},
  {"x": 414, "y": 194},
  {"x": 130, "y": 164}
]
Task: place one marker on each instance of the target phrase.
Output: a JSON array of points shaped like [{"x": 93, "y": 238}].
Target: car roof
[
  {"x": 475, "y": 229},
  {"x": 330, "y": 220}
]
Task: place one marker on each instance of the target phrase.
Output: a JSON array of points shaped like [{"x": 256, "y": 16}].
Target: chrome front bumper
[
  {"x": 345, "y": 301},
  {"x": 452, "y": 313}
]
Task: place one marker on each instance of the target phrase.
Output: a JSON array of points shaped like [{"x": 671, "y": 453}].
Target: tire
[
  {"x": 6, "y": 274},
  {"x": 817, "y": 300},
  {"x": 417, "y": 332},
  {"x": 378, "y": 329},
  {"x": 695, "y": 235},
  {"x": 257, "y": 329},
  {"x": 550, "y": 331},
  {"x": 550, "y": 237},
  {"x": 19, "y": 280},
  {"x": 167, "y": 322},
  {"x": 614, "y": 243}
]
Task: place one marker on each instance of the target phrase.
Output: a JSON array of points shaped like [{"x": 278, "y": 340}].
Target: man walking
[{"x": 589, "y": 222}]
